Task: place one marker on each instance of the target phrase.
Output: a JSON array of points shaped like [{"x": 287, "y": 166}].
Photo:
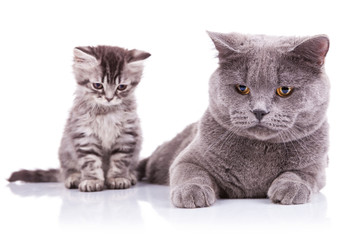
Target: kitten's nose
[
  {"x": 109, "y": 99},
  {"x": 259, "y": 114}
]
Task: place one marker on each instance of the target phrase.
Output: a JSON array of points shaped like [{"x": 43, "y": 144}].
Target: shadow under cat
[{"x": 139, "y": 206}]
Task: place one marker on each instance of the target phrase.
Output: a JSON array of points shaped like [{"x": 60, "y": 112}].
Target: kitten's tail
[
  {"x": 51, "y": 175},
  {"x": 141, "y": 168}
]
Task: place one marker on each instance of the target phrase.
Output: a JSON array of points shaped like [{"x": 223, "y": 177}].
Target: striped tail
[{"x": 51, "y": 175}]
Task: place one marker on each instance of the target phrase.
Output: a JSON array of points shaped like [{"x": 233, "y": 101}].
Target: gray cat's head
[
  {"x": 105, "y": 75},
  {"x": 269, "y": 88}
]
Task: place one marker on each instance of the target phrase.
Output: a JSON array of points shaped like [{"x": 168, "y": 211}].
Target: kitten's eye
[
  {"x": 243, "y": 89},
  {"x": 284, "y": 91},
  {"x": 98, "y": 86},
  {"x": 122, "y": 87}
]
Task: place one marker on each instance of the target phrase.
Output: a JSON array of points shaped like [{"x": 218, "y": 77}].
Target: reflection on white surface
[{"x": 147, "y": 207}]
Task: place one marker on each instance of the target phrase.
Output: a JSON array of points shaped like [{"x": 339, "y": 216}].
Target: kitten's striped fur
[{"x": 102, "y": 137}]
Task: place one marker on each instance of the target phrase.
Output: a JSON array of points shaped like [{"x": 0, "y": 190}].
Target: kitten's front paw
[
  {"x": 91, "y": 185},
  {"x": 73, "y": 181},
  {"x": 192, "y": 196},
  {"x": 118, "y": 183},
  {"x": 133, "y": 179},
  {"x": 289, "y": 192}
]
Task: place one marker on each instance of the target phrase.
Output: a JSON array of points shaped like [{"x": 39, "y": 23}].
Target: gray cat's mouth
[
  {"x": 264, "y": 129},
  {"x": 261, "y": 128},
  {"x": 261, "y": 131}
]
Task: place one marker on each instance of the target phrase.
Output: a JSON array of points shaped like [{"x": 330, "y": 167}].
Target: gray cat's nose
[{"x": 259, "y": 114}]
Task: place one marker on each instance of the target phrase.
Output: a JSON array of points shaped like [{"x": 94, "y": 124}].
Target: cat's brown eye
[
  {"x": 98, "y": 86},
  {"x": 122, "y": 87},
  {"x": 242, "y": 89},
  {"x": 284, "y": 91}
]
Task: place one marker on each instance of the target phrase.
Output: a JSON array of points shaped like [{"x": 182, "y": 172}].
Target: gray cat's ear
[
  {"x": 83, "y": 58},
  {"x": 225, "y": 44},
  {"x": 313, "y": 50},
  {"x": 137, "y": 55}
]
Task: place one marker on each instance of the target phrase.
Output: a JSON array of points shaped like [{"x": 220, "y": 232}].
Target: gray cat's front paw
[
  {"x": 91, "y": 185},
  {"x": 289, "y": 192},
  {"x": 192, "y": 196},
  {"x": 119, "y": 183}
]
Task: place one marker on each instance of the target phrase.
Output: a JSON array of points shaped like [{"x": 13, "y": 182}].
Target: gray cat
[
  {"x": 265, "y": 132},
  {"x": 102, "y": 137}
]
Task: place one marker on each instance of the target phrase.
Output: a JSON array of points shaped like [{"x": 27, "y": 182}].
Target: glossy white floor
[{"x": 49, "y": 211}]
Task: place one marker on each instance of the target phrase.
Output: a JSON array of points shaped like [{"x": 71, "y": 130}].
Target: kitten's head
[
  {"x": 269, "y": 88},
  {"x": 106, "y": 75}
]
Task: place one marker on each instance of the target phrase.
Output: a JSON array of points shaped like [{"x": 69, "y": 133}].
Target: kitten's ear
[
  {"x": 226, "y": 44},
  {"x": 137, "y": 55},
  {"x": 313, "y": 50},
  {"x": 84, "y": 58}
]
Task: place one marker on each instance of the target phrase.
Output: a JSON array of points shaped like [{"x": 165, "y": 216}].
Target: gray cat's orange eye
[
  {"x": 242, "y": 89},
  {"x": 284, "y": 91}
]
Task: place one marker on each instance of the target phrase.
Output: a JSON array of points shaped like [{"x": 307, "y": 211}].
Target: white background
[{"x": 37, "y": 38}]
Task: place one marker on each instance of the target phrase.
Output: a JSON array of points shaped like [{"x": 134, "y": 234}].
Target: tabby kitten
[
  {"x": 102, "y": 138},
  {"x": 265, "y": 132}
]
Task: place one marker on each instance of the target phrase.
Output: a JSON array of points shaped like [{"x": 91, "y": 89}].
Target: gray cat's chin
[{"x": 262, "y": 133}]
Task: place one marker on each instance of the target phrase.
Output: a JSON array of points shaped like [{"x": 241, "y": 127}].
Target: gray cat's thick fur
[
  {"x": 233, "y": 152},
  {"x": 102, "y": 137}
]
